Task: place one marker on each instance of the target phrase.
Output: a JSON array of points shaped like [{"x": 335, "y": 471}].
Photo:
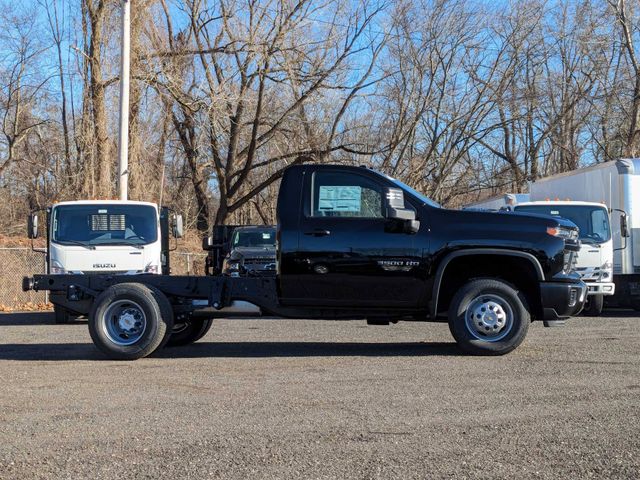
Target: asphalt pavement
[{"x": 288, "y": 399}]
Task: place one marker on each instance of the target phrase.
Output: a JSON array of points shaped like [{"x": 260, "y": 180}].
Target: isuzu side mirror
[
  {"x": 32, "y": 226},
  {"x": 397, "y": 211},
  {"x": 178, "y": 227},
  {"x": 624, "y": 226}
]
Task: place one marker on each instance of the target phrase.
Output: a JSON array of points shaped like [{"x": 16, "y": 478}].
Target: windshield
[
  {"x": 104, "y": 224},
  {"x": 254, "y": 238},
  {"x": 423, "y": 198},
  {"x": 592, "y": 221}
]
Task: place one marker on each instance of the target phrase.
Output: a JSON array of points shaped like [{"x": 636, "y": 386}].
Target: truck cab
[
  {"x": 91, "y": 237},
  {"x": 594, "y": 260}
]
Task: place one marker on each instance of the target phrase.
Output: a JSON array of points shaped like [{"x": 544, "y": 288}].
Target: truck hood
[
  {"x": 104, "y": 259},
  {"x": 254, "y": 251},
  {"x": 498, "y": 229}
]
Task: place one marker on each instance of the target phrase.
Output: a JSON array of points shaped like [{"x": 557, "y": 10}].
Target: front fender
[{"x": 477, "y": 251}]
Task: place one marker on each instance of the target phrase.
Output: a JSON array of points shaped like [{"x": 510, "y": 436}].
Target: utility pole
[{"x": 123, "y": 133}]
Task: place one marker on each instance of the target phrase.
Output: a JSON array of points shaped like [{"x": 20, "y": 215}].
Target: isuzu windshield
[
  {"x": 593, "y": 221},
  {"x": 95, "y": 225}
]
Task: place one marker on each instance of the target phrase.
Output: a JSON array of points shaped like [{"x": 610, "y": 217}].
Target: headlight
[
  {"x": 57, "y": 269},
  {"x": 151, "y": 269},
  {"x": 233, "y": 266},
  {"x": 563, "y": 232},
  {"x": 607, "y": 270}
]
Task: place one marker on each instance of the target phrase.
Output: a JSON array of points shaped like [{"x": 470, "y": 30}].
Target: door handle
[{"x": 318, "y": 232}]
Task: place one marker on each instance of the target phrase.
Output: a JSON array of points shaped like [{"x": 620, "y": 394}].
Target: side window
[
  {"x": 600, "y": 224},
  {"x": 345, "y": 195}
]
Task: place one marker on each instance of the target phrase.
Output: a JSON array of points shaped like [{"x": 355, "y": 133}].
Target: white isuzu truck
[
  {"x": 615, "y": 184},
  {"x": 105, "y": 237},
  {"x": 595, "y": 258}
]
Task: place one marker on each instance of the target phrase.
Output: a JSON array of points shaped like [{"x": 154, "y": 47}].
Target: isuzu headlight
[
  {"x": 607, "y": 270},
  {"x": 563, "y": 232},
  {"x": 57, "y": 268},
  {"x": 150, "y": 268}
]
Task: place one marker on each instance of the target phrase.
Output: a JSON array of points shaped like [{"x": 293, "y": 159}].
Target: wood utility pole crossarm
[{"x": 123, "y": 133}]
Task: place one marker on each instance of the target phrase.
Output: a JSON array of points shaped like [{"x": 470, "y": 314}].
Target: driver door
[{"x": 349, "y": 255}]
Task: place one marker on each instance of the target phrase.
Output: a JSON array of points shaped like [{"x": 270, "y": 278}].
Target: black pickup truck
[{"x": 353, "y": 243}]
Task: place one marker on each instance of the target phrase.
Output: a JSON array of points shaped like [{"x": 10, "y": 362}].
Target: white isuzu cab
[
  {"x": 595, "y": 258},
  {"x": 106, "y": 236},
  {"x": 611, "y": 243}
]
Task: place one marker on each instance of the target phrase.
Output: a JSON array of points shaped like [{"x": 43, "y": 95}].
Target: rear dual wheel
[
  {"x": 62, "y": 315},
  {"x": 130, "y": 321},
  {"x": 189, "y": 332},
  {"x": 488, "y": 317}
]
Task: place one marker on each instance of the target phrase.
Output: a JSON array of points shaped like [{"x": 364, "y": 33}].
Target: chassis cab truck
[
  {"x": 353, "y": 243},
  {"x": 110, "y": 237},
  {"x": 617, "y": 185}
]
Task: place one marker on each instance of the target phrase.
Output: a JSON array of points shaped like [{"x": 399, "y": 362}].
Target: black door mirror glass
[
  {"x": 178, "y": 228},
  {"x": 624, "y": 227},
  {"x": 32, "y": 226}
]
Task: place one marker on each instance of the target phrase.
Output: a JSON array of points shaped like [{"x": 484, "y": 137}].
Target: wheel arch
[{"x": 444, "y": 268}]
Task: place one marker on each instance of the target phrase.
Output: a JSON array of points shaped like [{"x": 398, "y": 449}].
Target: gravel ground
[{"x": 311, "y": 399}]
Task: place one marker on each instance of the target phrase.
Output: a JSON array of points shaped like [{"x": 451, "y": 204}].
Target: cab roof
[
  {"x": 560, "y": 202},
  {"x": 105, "y": 202}
]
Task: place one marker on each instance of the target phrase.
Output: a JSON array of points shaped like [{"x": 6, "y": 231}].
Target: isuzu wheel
[
  {"x": 62, "y": 315},
  {"x": 130, "y": 321},
  {"x": 488, "y": 317},
  {"x": 189, "y": 332},
  {"x": 594, "y": 306}
]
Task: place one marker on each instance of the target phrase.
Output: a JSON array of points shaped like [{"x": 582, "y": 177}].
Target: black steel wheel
[{"x": 130, "y": 321}]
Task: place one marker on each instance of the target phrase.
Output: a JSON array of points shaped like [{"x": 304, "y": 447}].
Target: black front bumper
[{"x": 561, "y": 299}]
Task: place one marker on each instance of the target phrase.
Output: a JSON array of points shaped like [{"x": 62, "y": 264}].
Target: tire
[
  {"x": 62, "y": 316},
  {"x": 189, "y": 332},
  {"x": 594, "y": 306},
  {"x": 130, "y": 321},
  {"x": 504, "y": 331}
]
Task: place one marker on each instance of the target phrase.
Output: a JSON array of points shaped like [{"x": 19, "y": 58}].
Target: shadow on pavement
[
  {"x": 619, "y": 313},
  {"x": 49, "y": 351},
  {"x": 87, "y": 351},
  {"x": 26, "y": 318},
  {"x": 309, "y": 349},
  {"x": 32, "y": 318}
]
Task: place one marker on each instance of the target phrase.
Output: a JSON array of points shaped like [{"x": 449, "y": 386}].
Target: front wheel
[
  {"x": 130, "y": 321},
  {"x": 488, "y": 317},
  {"x": 594, "y": 306}
]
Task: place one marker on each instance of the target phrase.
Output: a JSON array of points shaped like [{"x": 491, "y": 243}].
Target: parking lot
[{"x": 290, "y": 399}]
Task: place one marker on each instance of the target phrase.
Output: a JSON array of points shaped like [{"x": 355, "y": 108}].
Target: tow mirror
[
  {"x": 178, "y": 228},
  {"x": 624, "y": 226},
  {"x": 207, "y": 243},
  {"x": 32, "y": 226},
  {"x": 397, "y": 211}
]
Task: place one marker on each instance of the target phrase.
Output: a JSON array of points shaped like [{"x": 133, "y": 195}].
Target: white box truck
[
  {"x": 595, "y": 258},
  {"x": 105, "y": 237},
  {"x": 617, "y": 185}
]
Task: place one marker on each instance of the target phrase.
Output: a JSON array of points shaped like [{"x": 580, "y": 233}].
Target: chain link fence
[
  {"x": 15, "y": 263},
  {"x": 18, "y": 262},
  {"x": 187, "y": 263}
]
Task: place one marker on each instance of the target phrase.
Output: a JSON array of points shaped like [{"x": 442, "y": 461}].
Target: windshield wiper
[
  {"x": 128, "y": 244},
  {"x": 78, "y": 242}
]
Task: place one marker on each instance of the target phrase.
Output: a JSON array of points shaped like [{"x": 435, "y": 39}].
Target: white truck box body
[{"x": 615, "y": 183}]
